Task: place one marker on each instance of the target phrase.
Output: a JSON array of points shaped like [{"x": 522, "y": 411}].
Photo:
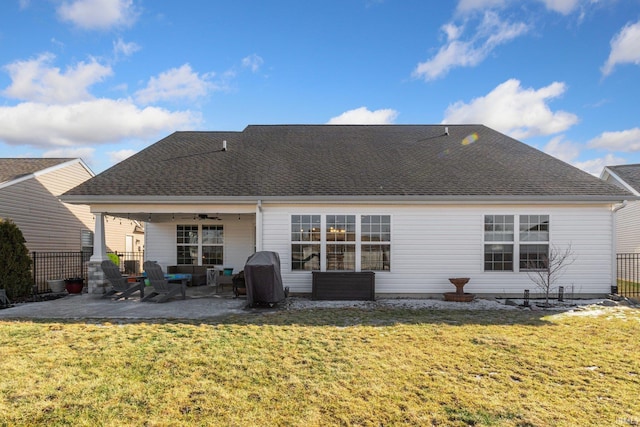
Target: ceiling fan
[{"x": 206, "y": 216}]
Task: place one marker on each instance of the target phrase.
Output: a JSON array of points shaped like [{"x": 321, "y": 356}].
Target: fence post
[{"x": 34, "y": 256}]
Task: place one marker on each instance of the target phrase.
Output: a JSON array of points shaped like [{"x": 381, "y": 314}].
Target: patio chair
[
  {"x": 120, "y": 288},
  {"x": 162, "y": 287}
]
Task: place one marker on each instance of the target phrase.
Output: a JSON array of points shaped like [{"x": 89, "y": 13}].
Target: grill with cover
[{"x": 263, "y": 279}]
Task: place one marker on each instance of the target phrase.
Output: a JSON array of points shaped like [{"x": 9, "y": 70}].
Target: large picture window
[
  {"x": 341, "y": 242},
  {"x": 194, "y": 243},
  {"x": 502, "y": 245}
]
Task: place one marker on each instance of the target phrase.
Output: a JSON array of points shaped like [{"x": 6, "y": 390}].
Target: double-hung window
[
  {"x": 341, "y": 242},
  {"x": 199, "y": 242},
  {"x": 375, "y": 234},
  {"x": 534, "y": 242},
  {"x": 212, "y": 244},
  {"x": 503, "y": 246},
  {"x": 305, "y": 242},
  {"x": 498, "y": 243},
  {"x": 86, "y": 241}
]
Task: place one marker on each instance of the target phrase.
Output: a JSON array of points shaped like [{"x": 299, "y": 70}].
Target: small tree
[
  {"x": 554, "y": 264},
  {"x": 15, "y": 262}
]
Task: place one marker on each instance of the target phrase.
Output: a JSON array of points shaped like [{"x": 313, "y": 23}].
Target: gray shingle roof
[
  {"x": 292, "y": 161},
  {"x": 629, "y": 173},
  {"x": 11, "y": 169}
]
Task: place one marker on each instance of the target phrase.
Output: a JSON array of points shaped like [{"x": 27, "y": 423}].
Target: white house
[
  {"x": 627, "y": 219},
  {"x": 416, "y": 204}
]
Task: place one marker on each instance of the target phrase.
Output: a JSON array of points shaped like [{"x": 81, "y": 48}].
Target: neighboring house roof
[
  {"x": 16, "y": 168},
  {"x": 627, "y": 175},
  {"x": 346, "y": 162}
]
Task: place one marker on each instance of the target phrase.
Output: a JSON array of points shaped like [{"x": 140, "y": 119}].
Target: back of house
[{"x": 415, "y": 204}]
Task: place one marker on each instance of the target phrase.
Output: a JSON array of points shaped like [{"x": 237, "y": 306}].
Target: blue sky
[{"x": 102, "y": 79}]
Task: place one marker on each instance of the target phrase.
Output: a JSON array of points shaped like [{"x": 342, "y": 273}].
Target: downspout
[
  {"x": 259, "y": 226},
  {"x": 614, "y": 243}
]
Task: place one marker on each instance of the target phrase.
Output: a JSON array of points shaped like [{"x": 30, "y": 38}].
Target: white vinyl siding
[
  {"x": 628, "y": 228},
  {"x": 431, "y": 243},
  {"x": 161, "y": 242}
]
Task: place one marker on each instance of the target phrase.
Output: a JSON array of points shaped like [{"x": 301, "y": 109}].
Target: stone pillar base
[{"x": 96, "y": 282}]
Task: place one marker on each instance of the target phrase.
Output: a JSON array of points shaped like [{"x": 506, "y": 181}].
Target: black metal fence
[
  {"x": 130, "y": 262},
  {"x": 62, "y": 265},
  {"x": 57, "y": 265},
  {"x": 628, "y": 274}
]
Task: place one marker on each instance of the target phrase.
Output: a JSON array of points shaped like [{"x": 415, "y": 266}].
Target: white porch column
[
  {"x": 96, "y": 282},
  {"x": 99, "y": 244}
]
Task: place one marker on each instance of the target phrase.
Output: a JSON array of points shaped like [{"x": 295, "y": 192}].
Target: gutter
[
  {"x": 620, "y": 206},
  {"x": 348, "y": 199}
]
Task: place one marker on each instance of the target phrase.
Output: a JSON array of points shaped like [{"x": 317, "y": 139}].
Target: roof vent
[
  {"x": 224, "y": 145},
  {"x": 446, "y": 130}
]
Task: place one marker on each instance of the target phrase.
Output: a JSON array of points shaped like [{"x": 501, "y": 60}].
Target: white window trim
[
  {"x": 358, "y": 242},
  {"x": 199, "y": 244},
  {"x": 516, "y": 241}
]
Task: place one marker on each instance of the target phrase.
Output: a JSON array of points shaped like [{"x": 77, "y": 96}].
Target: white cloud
[
  {"x": 84, "y": 153},
  {"x": 625, "y": 140},
  {"x": 595, "y": 166},
  {"x": 364, "y": 116},
  {"x": 465, "y": 6},
  {"x": 36, "y": 80},
  {"x": 566, "y": 151},
  {"x": 95, "y": 121},
  {"x": 98, "y": 14},
  {"x": 124, "y": 49},
  {"x": 120, "y": 155},
  {"x": 176, "y": 83},
  {"x": 625, "y": 48},
  {"x": 253, "y": 61},
  {"x": 563, "y": 7},
  {"x": 569, "y": 152},
  {"x": 518, "y": 112},
  {"x": 452, "y": 31},
  {"x": 490, "y": 33}
]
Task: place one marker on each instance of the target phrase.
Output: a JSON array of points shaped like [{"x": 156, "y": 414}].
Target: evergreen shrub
[{"x": 15, "y": 262}]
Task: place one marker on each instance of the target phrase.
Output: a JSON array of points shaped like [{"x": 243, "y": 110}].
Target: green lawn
[{"x": 348, "y": 367}]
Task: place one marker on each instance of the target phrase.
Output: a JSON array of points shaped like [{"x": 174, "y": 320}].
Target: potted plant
[{"x": 74, "y": 285}]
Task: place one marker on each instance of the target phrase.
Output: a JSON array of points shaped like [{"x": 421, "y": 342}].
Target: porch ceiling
[{"x": 180, "y": 216}]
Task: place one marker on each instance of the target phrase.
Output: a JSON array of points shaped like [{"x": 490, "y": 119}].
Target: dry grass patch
[{"x": 327, "y": 367}]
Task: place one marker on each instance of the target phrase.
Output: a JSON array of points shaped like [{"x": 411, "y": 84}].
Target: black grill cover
[{"x": 263, "y": 279}]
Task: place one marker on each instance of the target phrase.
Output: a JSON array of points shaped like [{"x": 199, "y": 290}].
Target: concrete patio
[{"x": 202, "y": 302}]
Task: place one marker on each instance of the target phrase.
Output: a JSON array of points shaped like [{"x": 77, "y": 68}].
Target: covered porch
[{"x": 181, "y": 237}]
